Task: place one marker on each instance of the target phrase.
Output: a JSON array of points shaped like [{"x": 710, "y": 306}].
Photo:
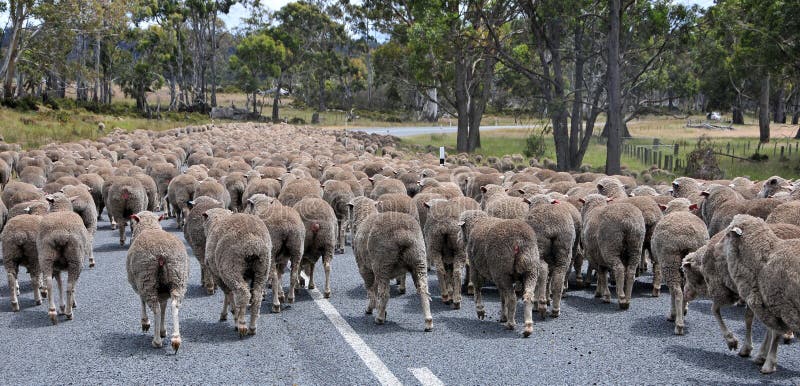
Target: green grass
[
  {"x": 32, "y": 129},
  {"x": 499, "y": 143}
]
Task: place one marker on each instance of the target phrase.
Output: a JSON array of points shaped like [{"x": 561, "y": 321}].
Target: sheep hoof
[
  {"x": 276, "y": 308},
  {"x": 251, "y": 331},
  {"x": 481, "y": 314},
  {"x": 223, "y": 317},
  {"x": 768, "y": 369},
  {"x": 456, "y": 305},
  {"x": 446, "y": 299},
  {"x": 671, "y": 318},
  {"x": 290, "y": 300},
  {"x": 327, "y": 294},
  {"x": 733, "y": 344},
  {"x": 543, "y": 311},
  {"x": 678, "y": 330},
  {"x": 122, "y": 243},
  {"x": 510, "y": 326},
  {"x": 528, "y": 329},
  {"x": 379, "y": 321},
  {"x": 163, "y": 333},
  {"x": 145, "y": 327},
  {"x": 624, "y": 306},
  {"x": 53, "y": 316},
  {"x": 38, "y": 302},
  {"x": 554, "y": 313},
  {"x": 656, "y": 293},
  {"x": 745, "y": 351},
  {"x": 470, "y": 290},
  {"x": 311, "y": 286},
  {"x": 91, "y": 263},
  {"x": 62, "y": 308},
  {"x": 156, "y": 343},
  {"x": 368, "y": 311},
  {"x": 43, "y": 292},
  {"x": 210, "y": 291},
  {"x": 242, "y": 331},
  {"x": 282, "y": 299},
  {"x": 428, "y": 325},
  {"x": 15, "y": 306},
  {"x": 787, "y": 337},
  {"x": 760, "y": 360},
  {"x": 176, "y": 343}
]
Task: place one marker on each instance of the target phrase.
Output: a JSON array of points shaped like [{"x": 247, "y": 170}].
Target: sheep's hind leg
[
  {"x": 226, "y": 301},
  {"x": 424, "y": 297},
  {"x": 145, "y": 320},
  {"x": 382, "y": 293},
  {"x": 12, "y": 286},
  {"x": 276, "y": 285},
  {"x": 455, "y": 284},
  {"x": 156, "y": 308},
  {"x": 771, "y": 362},
  {"x": 255, "y": 308},
  {"x": 619, "y": 278},
  {"x": 527, "y": 300},
  {"x": 72, "y": 279},
  {"x": 163, "y": 326},
  {"x": 510, "y": 309},
  {"x": 326, "y": 264},
  {"x": 36, "y": 284},
  {"x": 62, "y": 305},
  {"x": 176, "y": 326},
  {"x": 51, "y": 310}
]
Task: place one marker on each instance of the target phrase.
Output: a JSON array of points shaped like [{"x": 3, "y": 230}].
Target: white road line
[
  {"x": 426, "y": 377},
  {"x": 378, "y": 368}
]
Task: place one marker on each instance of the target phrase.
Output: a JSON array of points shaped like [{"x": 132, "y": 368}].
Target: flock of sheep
[{"x": 255, "y": 200}]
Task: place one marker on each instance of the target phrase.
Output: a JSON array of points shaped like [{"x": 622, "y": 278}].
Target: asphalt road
[
  {"x": 589, "y": 343},
  {"x": 421, "y": 130}
]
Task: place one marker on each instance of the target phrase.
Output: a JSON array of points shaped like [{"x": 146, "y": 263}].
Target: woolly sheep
[
  {"x": 391, "y": 244},
  {"x": 19, "y": 249},
  {"x": 320, "y": 223},
  {"x": 238, "y": 254},
  {"x": 62, "y": 244},
  {"x": 503, "y": 251},
  {"x": 287, "y": 233},
  {"x": 338, "y": 195},
  {"x": 158, "y": 269},
  {"x": 766, "y": 271},
  {"x": 83, "y": 204},
  {"x": 194, "y": 233},
  {"x": 552, "y": 223},
  {"x": 612, "y": 238},
  {"x": 445, "y": 250},
  {"x": 179, "y": 192},
  {"x": 126, "y": 196},
  {"x": 675, "y": 236}
]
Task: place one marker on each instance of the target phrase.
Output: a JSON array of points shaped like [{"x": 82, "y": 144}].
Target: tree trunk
[
  {"x": 96, "y": 88},
  {"x": 577, "y": 100},
  {"x": 214, "y": 59},
  {"x": 613, "y": 148},
  {"x": 276, "y": 100},
  {"x": 12, "y": 52},
  {"x": 321, "y": 85},
  {"x": 462, "y": 101},
  {"x": 430, "y": 106},
  {"x": 780, "y": 107},
  {"x": 763, "y": 111}
]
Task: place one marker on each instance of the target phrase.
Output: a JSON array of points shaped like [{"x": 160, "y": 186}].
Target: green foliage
[{"x": 536, "y": 143}]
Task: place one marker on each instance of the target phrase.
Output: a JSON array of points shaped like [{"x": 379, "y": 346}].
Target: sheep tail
[{"x": 315, "y": 227}]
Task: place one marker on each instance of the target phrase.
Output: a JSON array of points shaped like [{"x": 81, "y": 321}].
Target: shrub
[
  {"x": 535, "y": 143},
  {"x": 702, "y": 162}
]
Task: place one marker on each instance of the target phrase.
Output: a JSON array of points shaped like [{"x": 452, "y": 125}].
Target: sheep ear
[
  {"x": 250, "y": 200},
  {"x": 731, "y": 185},
  {"x": 526, "y": 200},
  {"x": 461, "y": 223},
  {"x": 135, "y": 218},
  {"x": 371, "y": 179},
  {"x": 205, "y": 216},
  {"x": 89, "y": 189},
  {"x": 49, "y": 198},
  {"x": 662, "y": 207},
  {"x": 693, "y": 207},
  {"x": 483, "y": 189},
  {"x": 737, "y": 230},
  {"x": 582, "y": 201},
  {"x": 27, "y": 209},
  {"x": 520, "y": 191},
  {"x": 190, "y": 204},
  {"x": 555, "y": 202},
  {"x": 705, "y": 193}
]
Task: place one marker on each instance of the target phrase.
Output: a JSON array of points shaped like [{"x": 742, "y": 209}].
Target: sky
[{"x": 238, "y": 11}]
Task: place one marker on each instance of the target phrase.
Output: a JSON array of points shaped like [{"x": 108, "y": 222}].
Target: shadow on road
[
  {"x": 656, "y": 326},
  {"x": 124, "y": 345},
  {"x": 728, "y": 363},
  {"x": 35, "y": 317}
]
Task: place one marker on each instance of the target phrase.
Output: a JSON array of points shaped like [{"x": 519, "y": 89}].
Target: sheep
[
  {"x": 727, "y": 203},
  {"x": 507, "y": 208},
  {"x": 83, "y": 204},
  {"x": 38, "y": 207},
  {"x": 235, "y": 183},
  {"x": 676, "y": 235},
  {"x": 552, "y": 223},
  {"x": 612, "y": 237},
  {"x": 95, "y": 183},
  {"x": 126, "y": 196},
  {"x": 338, "y": 195},
  {"x": 151, "y": 190},
  {"x": 19, "y": 249},
  {"x": 384, "y": 186},
  {"x": 163, "y": 173},
  {"x": 788, "y": 213},
  {"x": 268, "y": 186},
  {"x": 211, "y": 188},
  {"x": 158, "y": 269},
  {"x": 445, "y": 250},
  {"x": 503, "y": 251},
  {"x": 773, "y": 185},
  {"x": 194, "y": 233},
  {"x": 294, "y": 191},
  {"x": 287, "y": 233},
  {"x": 686, "y": 187},
  {"x": 179, "y": 192},
  {"x": 62, "y": 244},
  {"x": 16, "y": 192},
  {"x": 707, "y": 276},
  {"x": 238, "y": 254},
  {"x": 479, "y": 180},
  {"x": 765, "y": 270},
  {"x": 391, "y": 244},
  {"x": 320, "y": 223}
]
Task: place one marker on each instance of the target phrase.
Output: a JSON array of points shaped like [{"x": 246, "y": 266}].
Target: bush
[
  {"x": 702, "y": 162},
  {"x": 297, "y": 121},
  {"x": 535, "y": 143},
  {"x": 27, "y": 103}
]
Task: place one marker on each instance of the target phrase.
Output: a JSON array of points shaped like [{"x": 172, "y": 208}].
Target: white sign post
[{"x": 441, "y": 155}]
